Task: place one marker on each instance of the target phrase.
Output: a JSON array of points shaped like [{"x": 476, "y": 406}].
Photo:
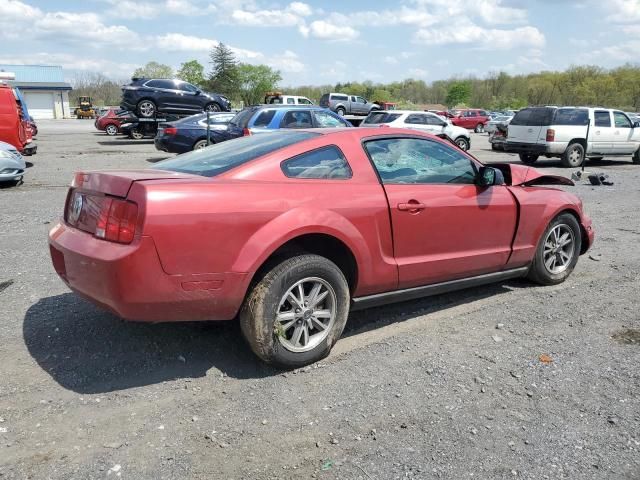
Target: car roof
[{"x": 405, "y": 111}]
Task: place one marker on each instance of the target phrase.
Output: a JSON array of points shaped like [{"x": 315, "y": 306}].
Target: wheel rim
[
  {"x": 137, "y": 135},
  {"x": 200, "y": 145},
  {"x": 147, "y": 109},
  {"x": 462, "y": 144},
  {"x": 111, "y": 130},
  {"x": 575, "y": 156},
  {"x": 559, "y": 248},
  {"x": 212, "y": 108},
  {"x": 480, "y": 128},
  {"x": 306, "y": 314}
]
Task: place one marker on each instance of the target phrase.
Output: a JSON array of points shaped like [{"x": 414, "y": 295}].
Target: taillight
[
  {"x": 551, "y": 135},
  {"x": 170, "y": 131},
  {"x": 117, "y": 220},
  {"x": 246, "y": 132}
]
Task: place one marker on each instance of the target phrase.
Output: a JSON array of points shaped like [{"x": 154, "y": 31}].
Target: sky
[{"x": 324, "y": 42}]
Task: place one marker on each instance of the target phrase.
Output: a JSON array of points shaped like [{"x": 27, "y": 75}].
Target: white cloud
[
  {"x": 468, "y": 33},
  {"x": 287, "y": 62},
  {"x": 299, "y": 8},
  {"x": 291, "y": 16},
  {"x": 418, "y": 72},
  {"x": 623, "y": 11},
  {"x": 146, "y": 10},
  {"x": 177, "y": 42},
  {"x": 71, "y": 63},
  {"x": 328, "y": 31}
]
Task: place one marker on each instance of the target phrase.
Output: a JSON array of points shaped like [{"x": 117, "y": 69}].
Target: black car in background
[
  {"x": 149, "y": 96},
  {"x": 190, "y": 133}
]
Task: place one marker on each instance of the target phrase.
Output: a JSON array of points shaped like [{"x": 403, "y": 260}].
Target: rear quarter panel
[{"x": 234, "y": 222}]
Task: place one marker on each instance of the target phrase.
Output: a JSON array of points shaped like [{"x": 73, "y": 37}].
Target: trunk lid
[
  {"x": 118, "y": 182},
  {"x": 528, "y": 125}
]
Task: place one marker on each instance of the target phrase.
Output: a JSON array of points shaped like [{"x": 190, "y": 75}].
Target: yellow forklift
[{"x": 85, "y": 110}]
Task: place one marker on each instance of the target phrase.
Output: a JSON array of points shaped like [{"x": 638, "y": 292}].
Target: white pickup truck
[{"x": 573, "y": 134}]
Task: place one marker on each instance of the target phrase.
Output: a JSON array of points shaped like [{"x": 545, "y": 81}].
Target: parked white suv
[
  {"x": 573, "y": 134},
  {"x": 289, "y": 100},
  {"x": 423, "y": 121}
]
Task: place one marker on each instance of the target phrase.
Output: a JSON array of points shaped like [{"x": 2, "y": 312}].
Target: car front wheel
[
  {"x": 296, "y": 312},
  {"x": 212, "y": 107},
  {"x": 636, "y": 157},
  {"x": 528, "y": 159},
  {"x": 479, "y": 128},
  {"x": 200, "y": 144},
  {"x": 573, "y": 156},
  {"x": 341, "y": 111},
  {"x": 463, "y": 143},
  {"x": 558, "y": 251},
  {"x": 111, "y": 130}
]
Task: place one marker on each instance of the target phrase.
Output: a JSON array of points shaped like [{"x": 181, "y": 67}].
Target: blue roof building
[{"x": 43, "y": 87}]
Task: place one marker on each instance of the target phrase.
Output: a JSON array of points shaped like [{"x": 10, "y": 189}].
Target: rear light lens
[
  {"x": 170, "y": 131},
  {"x": 246, "y": 132},
  {"x": 551, "y": 135},
  {"x": 117, "y": 220}
]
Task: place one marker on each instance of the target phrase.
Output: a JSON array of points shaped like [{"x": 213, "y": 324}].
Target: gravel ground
[{"x": 505, "y": 381}]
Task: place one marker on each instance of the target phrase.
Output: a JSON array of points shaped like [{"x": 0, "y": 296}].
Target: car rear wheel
[
  {"x": 136, "y": 134},
  {"x": 528, "y": 159},
  {"x": 463, "y": 143},
  {"x": 146, "y": 108},
  {"x": 636, "y": 157},
  {"x": 341, "y": 111},
  {"x": 111, "y": 130},
  {"x": 200, "y": 144},
  {"x": 494, "y": 146},
  {"x": 212, "y": 107},
  {"x": 573, "y": 156},
  {"x": 558, "y": 251},
  {"x": 296, "y": 312},
  {"x": 479, "y": 128}
]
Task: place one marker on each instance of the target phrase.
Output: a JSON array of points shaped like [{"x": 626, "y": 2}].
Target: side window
[
  {"x": 353, "y": 98},
  {"x": 415, "y": 119},
  {"x": 326, "y": 163},
  {"x": 187, "y": 87},
  {"x": 324, "y": 119},
  {"x": 434, "y": 120},
  {"x": 304, "y": 101},
  {"x": 602, "y": 118},
  {"x": 167, "y": 84},
  {"x": 264, "y": 118},
  {"x": 360, "y": 100},
  {"x": 153, "y": 84},
  {"x": 418, "y": 161},
  {"x": 297, "y": 119},
  {"x": 291, "y": 101},
  {"x": 621, "y": 120},
  {"x": 340, "y": 98}
]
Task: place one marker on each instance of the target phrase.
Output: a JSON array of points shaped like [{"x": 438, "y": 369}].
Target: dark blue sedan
[{"x": 190, "y": 133}]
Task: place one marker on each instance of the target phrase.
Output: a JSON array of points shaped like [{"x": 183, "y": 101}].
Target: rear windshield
[
  {"x": 242, "y": 118},
  {"x": 381, "y": 117},
  {"x": 219, "y": 158},
  {"x": 533, "y": 117},
  {"x": 571, "y": 116}
]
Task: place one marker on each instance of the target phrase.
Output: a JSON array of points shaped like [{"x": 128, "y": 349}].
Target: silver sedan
[{"x": 12, "y": 165}]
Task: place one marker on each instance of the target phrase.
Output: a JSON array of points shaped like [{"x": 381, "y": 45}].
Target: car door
[
  {"x": 362, "y": 106},
  {"x": 623, "y": 134},
  {"x": 435, "y": 124},
  {"x": 189, "y": 98},
  {"x": 416, "y": 121},
  {"x": 167, "y": 94},
  {"x": 444, "y": 226},
  {"x": 602, "y": 136}
]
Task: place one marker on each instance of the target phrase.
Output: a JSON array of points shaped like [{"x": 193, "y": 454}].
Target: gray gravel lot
[{"x": 505, "y": 381}]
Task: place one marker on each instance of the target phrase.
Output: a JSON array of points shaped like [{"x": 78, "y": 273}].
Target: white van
[
  {"x": 290, "y": 100},
  {"x": 572, "y": 134}
]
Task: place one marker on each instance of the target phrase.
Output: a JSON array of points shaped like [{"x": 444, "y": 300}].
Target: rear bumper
[
  {"x": 531, "y": 148},
  {"x": 30, "y": 149},
  {"x": 129, "y": 281}
]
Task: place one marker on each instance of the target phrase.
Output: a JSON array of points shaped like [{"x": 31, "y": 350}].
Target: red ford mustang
[{"x": 292, "y": 229}]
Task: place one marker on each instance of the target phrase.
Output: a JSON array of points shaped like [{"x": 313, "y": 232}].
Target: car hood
[
  {"x": 13, "y": 162},
  {"x": 521, "y": 175}
]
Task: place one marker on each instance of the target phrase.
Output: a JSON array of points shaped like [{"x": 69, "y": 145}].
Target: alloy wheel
[
  {"x": 306, "y": 314},
  {"x": 147, "y": 109},
  {"x": 559, "y": 247}
]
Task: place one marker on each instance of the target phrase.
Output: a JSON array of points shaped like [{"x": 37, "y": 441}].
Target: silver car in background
[
  {"x": 492, "y": 124},
  {"x": 12, "y": 165}
]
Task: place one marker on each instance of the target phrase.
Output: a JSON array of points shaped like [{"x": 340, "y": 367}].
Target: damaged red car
[{"x": 290, "y": 231}]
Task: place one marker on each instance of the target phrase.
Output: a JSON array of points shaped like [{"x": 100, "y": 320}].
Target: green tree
[
  {"x": 154, "y": 70},
  {"x": 224, "y": 70},
  {"x": 254, "y": 80},
  {"x": 192, "y": 72},
  {"x": 459, "y": 93}
]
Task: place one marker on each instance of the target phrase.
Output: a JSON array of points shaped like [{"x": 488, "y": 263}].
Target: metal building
[{"x": 43, "y": 87}]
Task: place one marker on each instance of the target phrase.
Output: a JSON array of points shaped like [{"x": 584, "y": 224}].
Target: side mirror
[
  {"x": 488, "y": 176},
  {"x": 444, "y": 124},
  {"x": 198, "y": 92}
]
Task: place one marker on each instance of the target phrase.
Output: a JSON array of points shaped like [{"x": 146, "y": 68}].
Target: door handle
[{"x": 411, "y": 206}]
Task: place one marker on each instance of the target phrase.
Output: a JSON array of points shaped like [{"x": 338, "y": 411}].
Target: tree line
[{"x": 246, "y": 84}]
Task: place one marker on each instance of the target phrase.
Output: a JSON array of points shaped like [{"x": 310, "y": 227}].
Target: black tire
[
  {"x": 258, "y": 313},
  {"x": 636, "y": 157},
  {"x": 539, "y": 273},
  {"x": 596, "y": 159},
  {"x": 573, "y": 156},
  {"x": 111, "y": 130},
  {"x": 463, "y": 143},
  {"x": 341, "y": 111},
  {"x": 146, "y": 108},
  {"x": 479, "y": 128},
  {"x": 212, "y": 107},
  {"x": 200, "y": 144},
  {"x": 528, "y": 158},
  {"x": 135, "y": 134},
  {"x": 494, "y": 146}
]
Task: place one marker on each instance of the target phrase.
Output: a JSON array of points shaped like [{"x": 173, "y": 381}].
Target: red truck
[
  {"x": 289, "y": 231},
  {"x": 14, "y": 129},
  {"x": 470, "y": 118}
]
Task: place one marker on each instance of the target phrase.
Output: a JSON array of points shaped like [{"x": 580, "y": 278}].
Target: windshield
[
  {"x": 381, "y": 117},
  {"x": 219, "y": 158}
]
